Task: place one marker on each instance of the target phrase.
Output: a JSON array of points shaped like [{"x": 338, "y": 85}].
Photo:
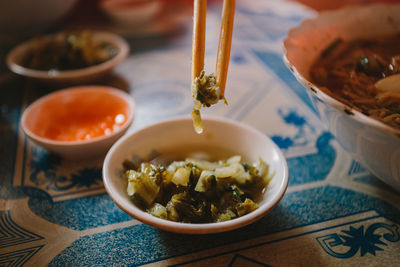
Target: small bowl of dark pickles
[{"x": 68, "y": 58}]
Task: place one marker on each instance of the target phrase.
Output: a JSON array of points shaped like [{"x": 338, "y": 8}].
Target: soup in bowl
[{"x": 348, "y": 60}]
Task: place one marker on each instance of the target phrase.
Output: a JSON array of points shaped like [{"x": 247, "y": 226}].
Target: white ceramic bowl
[
  {"x": 81, "y": 149},
  {"x": 375, "y": 145},
  {"x": 68, "y": 77},
  {"x": 178, "y": 134}
]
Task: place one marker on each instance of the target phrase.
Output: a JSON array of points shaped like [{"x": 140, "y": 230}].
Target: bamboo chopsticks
[
  {"x": 199, "y": 37},
  {"x": 198, "y": 50},
  {"x": 224, "y": 45}
]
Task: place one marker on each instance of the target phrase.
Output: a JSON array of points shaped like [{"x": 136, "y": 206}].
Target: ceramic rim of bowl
[
  {"x": 114, "y": 91},
  {"x": 196, "y": 228}
]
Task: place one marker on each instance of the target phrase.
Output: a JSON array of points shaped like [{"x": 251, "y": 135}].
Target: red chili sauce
[{"x": 78, "y": 114}]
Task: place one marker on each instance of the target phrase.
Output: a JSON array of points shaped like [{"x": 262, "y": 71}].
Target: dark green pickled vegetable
[
  {"x": 198, "y": 191},
  {"x": 371, "y": 65},
  {"x": 205, "y": 89},
  {"x": 205, "y": 92},
  {"x": 68, "y": 51}
]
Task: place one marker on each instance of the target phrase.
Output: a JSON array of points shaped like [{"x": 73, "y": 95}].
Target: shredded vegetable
[{"x": 198, "y": 191}]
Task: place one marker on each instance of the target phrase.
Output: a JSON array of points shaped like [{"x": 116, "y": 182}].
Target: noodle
[{"x": 348, "y": 71}]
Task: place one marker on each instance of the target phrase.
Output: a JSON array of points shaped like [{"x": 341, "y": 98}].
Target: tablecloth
[{"x": 335, "y": 213}]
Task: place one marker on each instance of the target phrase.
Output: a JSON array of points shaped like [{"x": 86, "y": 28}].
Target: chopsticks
[
  {"x": 224, "y": 45},
  {"x": 199, "y": 37}
]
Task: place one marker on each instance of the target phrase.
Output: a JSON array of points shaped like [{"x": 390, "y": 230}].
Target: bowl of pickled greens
[
  {"x": 67, "y": 58},
  {"x": 168, "y": 176}
]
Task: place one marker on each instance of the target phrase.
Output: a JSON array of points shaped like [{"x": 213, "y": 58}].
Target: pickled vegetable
[
  {"x": 205, "y": 92},
  {"x": 198, "y": 191},
  {"x": 68, "y": 51}
]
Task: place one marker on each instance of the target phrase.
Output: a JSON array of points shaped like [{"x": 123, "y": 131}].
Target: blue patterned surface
[
  {"x": 358, "y": 240},
  {"x": 56, "y": 212},
  {"x": 275, "y": 63},
  {"x": 143, "y": 244}
]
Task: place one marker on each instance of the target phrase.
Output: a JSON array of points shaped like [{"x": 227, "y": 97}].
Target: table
[{"x": 56, "y": 212}]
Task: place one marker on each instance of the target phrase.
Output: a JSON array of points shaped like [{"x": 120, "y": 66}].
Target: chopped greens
[
  {"x": 68, "y": 51},
  {"x": 198, "y": 191},
  {"x": 205, "y": 92}
]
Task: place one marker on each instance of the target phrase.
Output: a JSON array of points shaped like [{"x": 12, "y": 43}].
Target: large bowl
[
  {"x": 375, "y": 145},
  {"x": 221, "y": 138}
]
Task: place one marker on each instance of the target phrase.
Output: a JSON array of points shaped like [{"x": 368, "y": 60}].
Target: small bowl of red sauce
[{"x": 79, "y": 122}]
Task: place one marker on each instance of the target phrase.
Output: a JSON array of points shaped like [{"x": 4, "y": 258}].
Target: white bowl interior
[{"x": 220, "y": 136}]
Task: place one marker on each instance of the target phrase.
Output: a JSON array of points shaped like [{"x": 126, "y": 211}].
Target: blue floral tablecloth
[{"x": 334, "y": 213}]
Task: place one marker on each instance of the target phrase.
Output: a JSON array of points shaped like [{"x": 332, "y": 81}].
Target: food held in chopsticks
[
  {"x": 209, "y": 89},
  {"x": 205, "y": 93},
  {"x": 198, "y": 191}
]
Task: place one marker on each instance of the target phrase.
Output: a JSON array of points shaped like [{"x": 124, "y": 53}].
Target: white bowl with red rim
[{"x": 79, "y": 122}]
